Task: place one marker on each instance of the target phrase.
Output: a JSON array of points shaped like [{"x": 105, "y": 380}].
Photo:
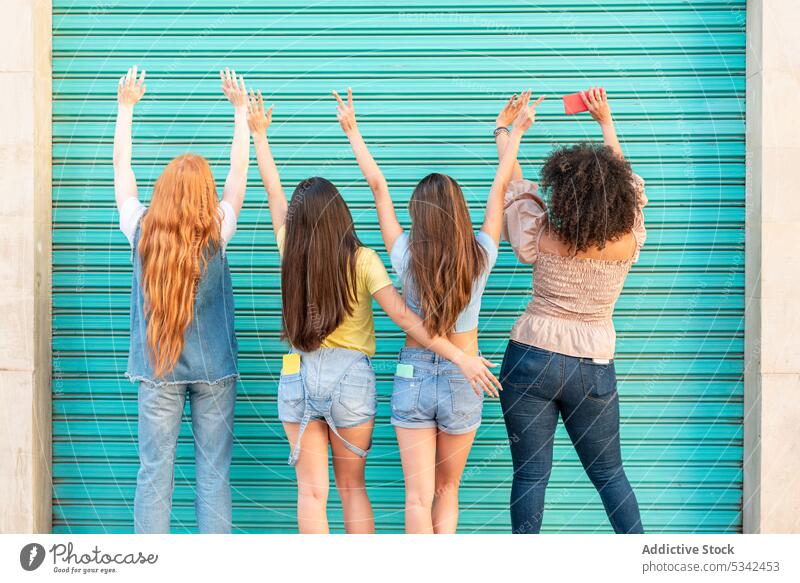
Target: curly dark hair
[{"x": 591, "y": 195}]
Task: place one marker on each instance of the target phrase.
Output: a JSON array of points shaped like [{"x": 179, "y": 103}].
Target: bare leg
[
  {"x": 451, "y": 457},
  {"x": 312, "y": 476},
  {"x": 418, "y": 454},
  {"x": 348, "y": 469}
]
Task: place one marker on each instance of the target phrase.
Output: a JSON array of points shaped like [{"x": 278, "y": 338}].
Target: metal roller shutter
[{"x": 429, "y": 76}]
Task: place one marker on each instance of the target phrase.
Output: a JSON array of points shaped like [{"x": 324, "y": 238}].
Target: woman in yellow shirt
[{"x": 326, "y": 394}]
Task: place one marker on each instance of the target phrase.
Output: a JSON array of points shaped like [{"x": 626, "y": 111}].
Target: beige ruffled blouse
[{"x": 573, "y": 297}]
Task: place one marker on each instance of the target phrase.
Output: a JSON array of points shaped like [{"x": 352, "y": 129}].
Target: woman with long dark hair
[
  {"x": 182, "y": 332},
  {"x": 326, "y": 394},
  {"x": 444, "y": 266},
  {"x": 582, "y": 239}
]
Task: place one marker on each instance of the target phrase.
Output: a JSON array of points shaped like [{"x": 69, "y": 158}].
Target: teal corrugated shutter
[{"x": 429, "y": 76}]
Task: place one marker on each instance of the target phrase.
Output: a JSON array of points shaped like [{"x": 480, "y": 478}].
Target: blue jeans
[
  {"x": 160, "y": 412},
  {"x": 538, "y": 385}
]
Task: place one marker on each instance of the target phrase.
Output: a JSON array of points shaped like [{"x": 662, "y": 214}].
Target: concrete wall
[
  {"x": 25, "y": 241},
  {"x": 772, "y": 321}
]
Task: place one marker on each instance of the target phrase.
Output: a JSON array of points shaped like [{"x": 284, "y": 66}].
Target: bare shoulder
[{"x": 620, "y": 249}]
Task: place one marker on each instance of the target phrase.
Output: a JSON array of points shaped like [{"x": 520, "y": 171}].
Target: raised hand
[
  {"x": 507, "y": 150},
  {"x": 346, "y": 112},
  {"x": 233, "y": 89},
  {"x": 509, "y": 111},
  {"x": 257, "y": 120},
  {"x": 527, "y": 112},
  {"x": 596, "y": 100},
  {"x": 130, "y": 89}
]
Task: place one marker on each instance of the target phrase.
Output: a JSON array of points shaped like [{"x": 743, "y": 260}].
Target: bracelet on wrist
[{"x": 501, "y": 130}]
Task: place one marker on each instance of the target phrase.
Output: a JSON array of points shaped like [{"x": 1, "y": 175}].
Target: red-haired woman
[{"x": 182, "y": 334}]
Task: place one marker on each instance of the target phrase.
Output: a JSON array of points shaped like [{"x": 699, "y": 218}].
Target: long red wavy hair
[{"x": 180, "y": 226}]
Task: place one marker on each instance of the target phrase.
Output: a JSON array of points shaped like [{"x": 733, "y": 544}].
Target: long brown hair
[
  {"x": 178, "y": 228},
  {"x": 318, "y": 270},
  {"x": 445, "y": 259}
]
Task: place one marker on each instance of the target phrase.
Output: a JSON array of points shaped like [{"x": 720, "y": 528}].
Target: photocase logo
[{"x": 31, "y": 556}]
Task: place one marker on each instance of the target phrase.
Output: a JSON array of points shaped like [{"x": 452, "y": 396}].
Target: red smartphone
[{"x": 574, "y": 104}]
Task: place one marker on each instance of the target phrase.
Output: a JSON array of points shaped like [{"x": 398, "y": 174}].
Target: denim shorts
[
  {"x": 437, "y": 395},
  {"x": 331, "y": 380}
]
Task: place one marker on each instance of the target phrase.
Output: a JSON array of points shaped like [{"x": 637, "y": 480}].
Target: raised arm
[
  {"x": 597, "y": 102},
  {"x": 526, "y": 114},
  {"x": 129, "y": 92},
  {"x": 474, "y": 368},
  {"x": 502, "y": 131},
  {"x": 259, "y": 121},
  {"x": 390, "y": 226},
  {"x": 236, "y": 182}
]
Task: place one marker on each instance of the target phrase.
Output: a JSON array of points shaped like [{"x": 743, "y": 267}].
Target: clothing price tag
[
  {"x": 405, "y": 371},
  {"x": 291, "y": 363}
]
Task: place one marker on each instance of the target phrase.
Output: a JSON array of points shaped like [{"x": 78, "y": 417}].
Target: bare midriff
[{"x": 466, "y": 341}]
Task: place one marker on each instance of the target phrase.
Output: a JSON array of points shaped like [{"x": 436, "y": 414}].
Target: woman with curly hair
[{"x": 560, "y": 358}]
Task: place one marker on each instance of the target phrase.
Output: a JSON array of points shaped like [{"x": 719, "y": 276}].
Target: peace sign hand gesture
[
  {"x": 509, "y": 111},
  {"x": 526, "y": 114},
  {"x": 346, "y": 112}
]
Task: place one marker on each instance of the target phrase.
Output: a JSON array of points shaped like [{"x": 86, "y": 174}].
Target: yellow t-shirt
[{"x": 357, "y": 332}]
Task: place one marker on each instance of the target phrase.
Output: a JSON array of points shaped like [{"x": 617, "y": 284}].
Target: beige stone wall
[
  {"x": 772, "y": 323},
  {"x": 25, "y": 241}
]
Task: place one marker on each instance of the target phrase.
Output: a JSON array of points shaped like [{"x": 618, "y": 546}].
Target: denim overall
[
  {"x": 210, "y": 348},
  {"x": 334, "y": 384}
]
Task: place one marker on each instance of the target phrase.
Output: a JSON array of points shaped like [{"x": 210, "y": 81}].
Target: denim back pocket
[
  {"x": 466, "y": 401},
  {"x": 357, "y": 391},
  {"x": 405, "y": 395},
  {"x": 524, "y": 367},
  {"x": 599, "y": 380},
  {"x": 291, "y": 394},
  {"x": 290, "y": 389}
]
